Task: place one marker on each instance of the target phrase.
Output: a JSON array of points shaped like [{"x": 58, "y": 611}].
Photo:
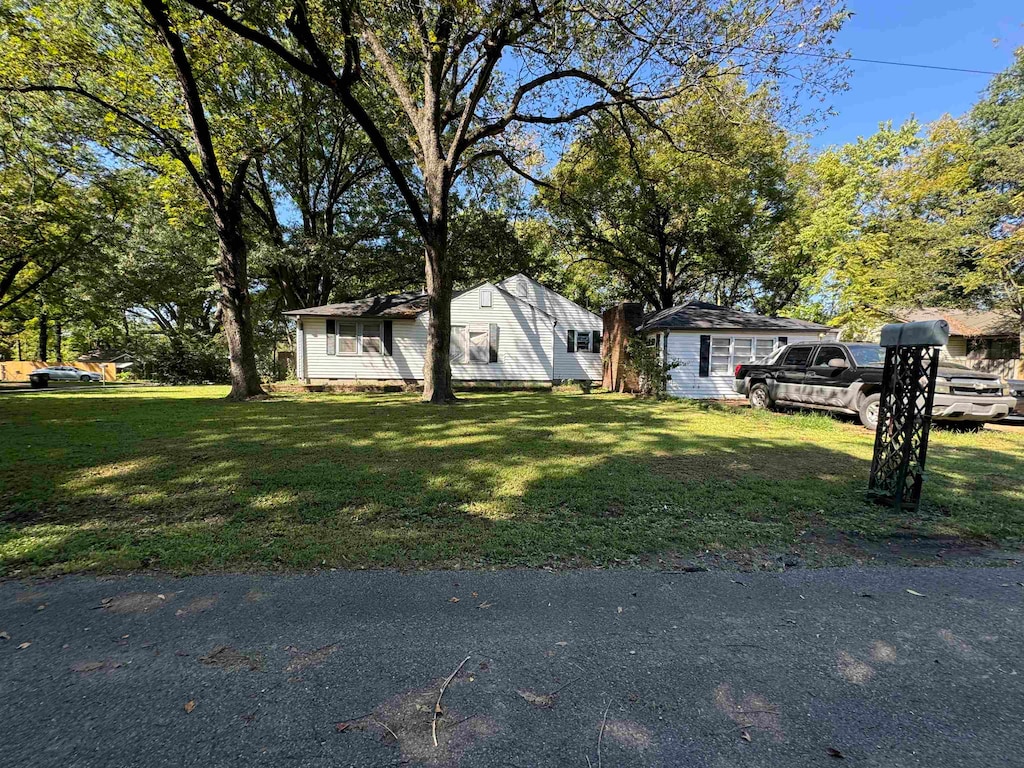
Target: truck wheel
[
  {"x": 760, "y": 398},
  {"x": 869, "y": 410}
]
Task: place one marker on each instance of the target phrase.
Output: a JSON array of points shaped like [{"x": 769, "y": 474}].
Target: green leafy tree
[
  {"x": 449, "y": 84},
  {"x": 692, "y": 205},
  {"x": 166, "y": 92}
]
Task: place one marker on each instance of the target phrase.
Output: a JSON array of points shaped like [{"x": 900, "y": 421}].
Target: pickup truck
[{"x": 845, "y": 377}]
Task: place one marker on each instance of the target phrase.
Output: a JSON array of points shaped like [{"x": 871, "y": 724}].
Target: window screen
[
  {"x": 721, "y": 354},
  {"x": 347, "y": 338},
  {"x": 371, "y": 339},
  {"x": 479, "y": 345},
  {"x": 457, "y": 348}
]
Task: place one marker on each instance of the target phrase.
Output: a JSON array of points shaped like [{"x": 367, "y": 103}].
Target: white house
[
  {"x": 708, "y": 341},
  {"x": 515, "y": 331}
]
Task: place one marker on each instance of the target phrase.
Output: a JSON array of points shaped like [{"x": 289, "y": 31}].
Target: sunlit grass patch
[{"x": 179, "y": 479}]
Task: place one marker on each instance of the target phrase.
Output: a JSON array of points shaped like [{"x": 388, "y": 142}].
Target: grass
[{"x": 180, "y": 480}]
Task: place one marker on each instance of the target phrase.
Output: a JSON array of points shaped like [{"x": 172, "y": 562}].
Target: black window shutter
[
  {"x": 570, "y": 341},
  {"x": 493, "y": 328},
  {"x": 332, "y": 336},
  {"x": 705, "y": 355},
  {"x": 783, "y": 341},
  {"x": 596, "y": 342},
  {"x": 387, "y": 337}
]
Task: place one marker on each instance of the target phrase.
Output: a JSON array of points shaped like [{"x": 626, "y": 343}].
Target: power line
[{"x": 836, "y": 57}]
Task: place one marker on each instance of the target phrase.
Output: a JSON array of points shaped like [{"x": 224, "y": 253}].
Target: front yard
[{"x": 178, "y": 479}]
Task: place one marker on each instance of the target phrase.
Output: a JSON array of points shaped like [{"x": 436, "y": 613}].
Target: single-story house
[
  {"x": 123, "y": 361},
  {"x": 515, "y": 331},
  {"x": 708, "y": 341},
  {"x": 984, "y": 341}
]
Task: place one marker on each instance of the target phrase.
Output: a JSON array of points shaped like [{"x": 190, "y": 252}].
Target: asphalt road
[{"x": 588, "y": 669}]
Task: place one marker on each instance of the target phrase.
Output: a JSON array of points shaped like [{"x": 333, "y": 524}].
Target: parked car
[
  {"x": 40, "y": 376},
  {"x": 848, "y": 378}
]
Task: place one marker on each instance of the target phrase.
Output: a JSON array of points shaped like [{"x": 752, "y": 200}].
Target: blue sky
[{"x": 956, "y": 33}]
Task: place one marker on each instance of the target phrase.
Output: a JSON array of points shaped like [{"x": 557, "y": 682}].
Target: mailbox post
[{"x": 905, "y": 411}]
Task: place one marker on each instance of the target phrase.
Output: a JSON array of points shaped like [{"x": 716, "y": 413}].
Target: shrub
[{"x": 644, "y": 361}]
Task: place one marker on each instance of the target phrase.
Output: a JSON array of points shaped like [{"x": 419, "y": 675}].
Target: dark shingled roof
[
  {"x": 701, "y": 315},
  {"x": 396, "y": 305}
]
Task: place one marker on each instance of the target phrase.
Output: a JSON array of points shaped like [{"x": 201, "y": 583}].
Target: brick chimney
[{"x": 620, "y": 324}]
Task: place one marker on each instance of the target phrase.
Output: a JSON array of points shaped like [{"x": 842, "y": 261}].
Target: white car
[{"x": 62, "y": 373}]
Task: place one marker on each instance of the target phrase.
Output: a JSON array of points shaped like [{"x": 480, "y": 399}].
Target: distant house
[
  {"x": 123, "y": 361},
  {"x": 708, "y": 342},
  {"x": 985, "y": 341},
  {"x": 515, "y": 331}
]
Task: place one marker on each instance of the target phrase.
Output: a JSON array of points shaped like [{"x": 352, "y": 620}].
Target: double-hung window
[
  {"x": 729, "y": 351},
  {"x": 351, "y": 337},
  {"x": 372, "y": 339}
]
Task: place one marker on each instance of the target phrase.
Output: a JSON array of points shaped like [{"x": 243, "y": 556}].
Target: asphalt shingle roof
[{"x": 702, "y": 315}]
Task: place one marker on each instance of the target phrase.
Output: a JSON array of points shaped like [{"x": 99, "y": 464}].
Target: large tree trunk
[
  {"x": 233, "y": 276},
  {"x": 44, "y": 328},
  {"x": 58, "y": 340},
  {"x": 1018, "y": 368},
  {"x": 437, "y": 369}
]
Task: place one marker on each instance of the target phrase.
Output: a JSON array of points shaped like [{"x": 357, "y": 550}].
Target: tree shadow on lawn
[{"x": 196, "y": 483}]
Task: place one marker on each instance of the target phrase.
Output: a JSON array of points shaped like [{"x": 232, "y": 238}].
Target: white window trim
[
  {"x": 489, "y": 294},
  {"x": 359, "y": 350},
  {"x": 465, "y": 331},
  {"x": 733, "y": 361}
]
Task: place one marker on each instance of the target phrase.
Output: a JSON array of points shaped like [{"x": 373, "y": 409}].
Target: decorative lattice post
[{"x": 905, "y": 411}]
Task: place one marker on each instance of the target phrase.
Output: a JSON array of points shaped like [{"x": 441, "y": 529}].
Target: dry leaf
[
  {"x": 475, "y": 595},
  {"x": 40, "y": 606},
  {"x": 915, "y": 593},
  {"x": 190, "y": 705},
  {"x": 4, "y": 636},
  {"x": 745, "y": 736},
  {"x": 620, "y": 609},
  {"x": 23, "y": 646},
  {"x": 539, "y": 700},
  {"x": 341, "y": 727},
  {"x": 454, "y": 600},
  {"x": 485, "y": 605},
  {"x": 833, "y": 752},
  {"x": 161, "y": 597}
]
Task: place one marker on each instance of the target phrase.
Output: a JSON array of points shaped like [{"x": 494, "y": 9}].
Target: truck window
[
  {"x": 797, "y": 356},
  {"x": 828, "y": 353}
]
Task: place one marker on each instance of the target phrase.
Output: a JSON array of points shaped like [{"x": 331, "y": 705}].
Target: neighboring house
[
  {"x": 984, "y": 341},
  {"x": 122, "y": 361},
  {"x": 708, "y": 342},
  {"x": 515, "y": 331}
]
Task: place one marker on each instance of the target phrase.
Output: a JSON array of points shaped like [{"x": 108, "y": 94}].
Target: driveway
[{"x": 870, "y": 667}]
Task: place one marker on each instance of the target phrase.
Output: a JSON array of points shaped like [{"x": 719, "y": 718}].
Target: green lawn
[{"x": 181, "y": 480}]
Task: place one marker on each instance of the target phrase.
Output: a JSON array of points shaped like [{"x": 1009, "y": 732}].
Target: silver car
[{"x": 63, "y": 373}]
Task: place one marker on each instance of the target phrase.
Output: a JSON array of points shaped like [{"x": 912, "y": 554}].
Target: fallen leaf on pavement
[
  {"x": 745, "y": 736},
  {"x": 915, "y": 593},
  {"x": 485, "y": 605},
  {"x": 4, "y": 636},
  {"x": 40, "y": 606},
  {"x": 190, "y": 705},
  {"x": 23, "y": 646},
  {"x": 454, "y": 600},
  {"x": 341, "y": 727},
  {"x": 833, "y": 752},
  {"x": 539, "y": 700}
]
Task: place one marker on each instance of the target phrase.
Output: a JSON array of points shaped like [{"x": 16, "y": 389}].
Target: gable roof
[
  {"x": 395, "y": 305},
  {"x": 966, "y": 322},
  {"x": 105, "y": 356},
  {"x": 520, "y": 276},
  {"x": 702, "y": 315}
]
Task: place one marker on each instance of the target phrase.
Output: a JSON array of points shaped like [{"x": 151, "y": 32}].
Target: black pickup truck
[{"x": 848, "y": 377}]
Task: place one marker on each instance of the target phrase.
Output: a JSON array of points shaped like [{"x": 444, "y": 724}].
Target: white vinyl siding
[
  {"x": 577, "y": 365},
  {"x": 524, "y": 336},
  {"x": 684, "y": 347}
]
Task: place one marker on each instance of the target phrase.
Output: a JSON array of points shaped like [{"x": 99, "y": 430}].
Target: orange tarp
[{"x": 18, "y": 370}]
